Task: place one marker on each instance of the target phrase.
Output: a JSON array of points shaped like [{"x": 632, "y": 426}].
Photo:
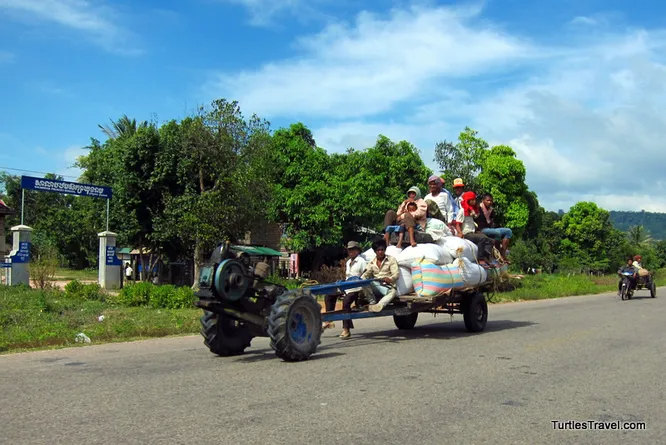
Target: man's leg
[
  {"x": 390, "y": 219},
  {"x": 386, "y": 299},
  {"x": 329, "y": 303},
  {"x": 410, "y": 224},
  {"x": 346, "y": 306}
]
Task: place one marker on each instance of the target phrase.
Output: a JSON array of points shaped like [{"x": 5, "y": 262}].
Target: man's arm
[
  {"x": 394, "y": 270},
  {"x": 450, "y": 211},
  {"x": 368, "y": 273}
]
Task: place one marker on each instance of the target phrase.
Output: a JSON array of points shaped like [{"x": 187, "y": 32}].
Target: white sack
[
  {"x": 368, "y": 255},
  {"x": 437, "y": 229},
  {"x": 405, "y": 285},
  {"x": 393, "y": 251},
  {"x": 472, "y": 273},
  {"x": 429, "y": 251},
  {"x": 451, "y": 244}
]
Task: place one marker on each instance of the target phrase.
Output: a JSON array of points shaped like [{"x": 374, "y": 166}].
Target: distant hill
[{"x": 655, "y": 223}]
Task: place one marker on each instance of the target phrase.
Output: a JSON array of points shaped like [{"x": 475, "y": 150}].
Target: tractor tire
[
  {"x": 294, "y": 325},
  {"x": 223, "y": 335},
  {"x": 405, "y": 321},
  {"x": 653, "y": 290},
  {"x": 475, "y": 313}
]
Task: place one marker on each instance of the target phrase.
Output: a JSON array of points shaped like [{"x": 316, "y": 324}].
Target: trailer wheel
[
  {"x": 475, "y": 313},
  {"x": 653, "y": 290},
  {"x": 405, "y": 321},
  {"x": 294, "y": 325},
  {"x": 223, "y": 335}
]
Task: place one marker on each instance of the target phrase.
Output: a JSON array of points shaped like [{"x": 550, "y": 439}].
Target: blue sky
[{"x": 577, "y": 88}]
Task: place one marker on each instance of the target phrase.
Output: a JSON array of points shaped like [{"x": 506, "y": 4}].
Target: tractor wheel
[
  {"x": 223, "y": 335},
  {"x": 294, "y": 325},
  {"x": 653, "y": 290},
  {"x": 475, "y": 313},
  {"x": 405, "y": 321}
]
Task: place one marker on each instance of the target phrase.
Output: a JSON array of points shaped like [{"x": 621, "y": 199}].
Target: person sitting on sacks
[
  {"x": 467, "y": 227},
  {"x": 385, "y": 268},
  {"x": 441, "y": 204},
  {"x": 485, "y": 222},
  {"x": 354, "y": 267},
  {"x": 637, "y": 262},
  {"x": 405, "y": 219}
]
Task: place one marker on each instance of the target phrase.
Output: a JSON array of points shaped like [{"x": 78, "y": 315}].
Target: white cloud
[
  {"x": 92, "y": 18},
  {"x": 585, "y": 117},
  {"x": 371, "y": 66},
  {"x": 267, "y": 12},
  {"x": 583, "y": 20}
]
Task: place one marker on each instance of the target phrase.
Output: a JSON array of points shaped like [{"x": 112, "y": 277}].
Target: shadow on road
[
  {"x": 269, "y": 354},
  {"x": 440, "y": 331}
]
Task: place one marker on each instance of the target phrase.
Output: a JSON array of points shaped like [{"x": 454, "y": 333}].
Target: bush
[
  {"x": 137, "y": 294},
  {"x": 165, "y": 296},
  {"x": 77, "y": 290}
]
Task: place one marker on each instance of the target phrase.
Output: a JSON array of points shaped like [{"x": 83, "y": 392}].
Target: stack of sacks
[
  {"x": 429, "y": 251},
  {"x": 472, "y": 274},
  {"x": 393, "y": 251},
  {"x": 456, "y": 247},
  {"x": 432, "y": 280}
]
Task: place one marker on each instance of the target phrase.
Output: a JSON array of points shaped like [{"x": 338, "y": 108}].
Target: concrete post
[
  {"x": 20, "y": 255},
  {"x": 109, "y": 264}
]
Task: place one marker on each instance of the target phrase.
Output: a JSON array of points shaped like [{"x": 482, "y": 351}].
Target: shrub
[
  {"x": 160, "y": 296},
  {"x": 137, "y": 294},
  {"x": 43, "y": 267},
  {"x": 77, "y": 290},
  {"x": 183, "y": 297}
]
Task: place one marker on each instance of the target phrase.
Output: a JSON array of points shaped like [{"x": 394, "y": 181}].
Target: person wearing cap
[
  {"x": 458, "y": 189},
  {"x": 441, "y": 198},
  {"x": 354, "y": 267},
  {"x": 407, "y": 219}
]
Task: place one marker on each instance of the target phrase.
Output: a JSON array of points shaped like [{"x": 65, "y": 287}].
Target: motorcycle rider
[{"x": 627, "y": 268}]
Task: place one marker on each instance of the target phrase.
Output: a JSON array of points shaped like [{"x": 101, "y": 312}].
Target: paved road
[{"x": 579, "y": 358}]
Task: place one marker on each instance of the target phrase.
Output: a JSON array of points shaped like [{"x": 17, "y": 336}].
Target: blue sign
[
  {"x": 111, "y": 258},
  {"x": 23, "y": 254},
  {"x": 68, "y": 188},
  {"x": 3, "y": 264}
]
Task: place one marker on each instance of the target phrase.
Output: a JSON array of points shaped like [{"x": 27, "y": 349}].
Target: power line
[{"x": 34, "y": 171}]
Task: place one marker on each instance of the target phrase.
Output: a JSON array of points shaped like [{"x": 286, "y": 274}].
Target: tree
[
  {"x": 463, "y": 159},
  {"x": 586, "y": 230},
  {"x": 123, "y": 127},
  {"x": 638, "y": 236}
]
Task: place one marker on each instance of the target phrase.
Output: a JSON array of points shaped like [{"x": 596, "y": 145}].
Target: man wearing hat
[
  {"x": 354, "y": 267},
  {"x": 458, "y": 189}
]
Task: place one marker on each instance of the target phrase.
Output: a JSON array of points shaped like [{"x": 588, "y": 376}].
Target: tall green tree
[{"x": 464, "y": 159}]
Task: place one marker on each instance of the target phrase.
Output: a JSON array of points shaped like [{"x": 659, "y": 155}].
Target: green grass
[
  {"x": 32, "y": 318},
  {"x": 63, "y": 274}
]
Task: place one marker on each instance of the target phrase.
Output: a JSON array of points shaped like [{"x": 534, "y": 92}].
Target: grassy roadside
[
  {"x": 37, "y": 319},
  {"x": 63, "y": 274}
]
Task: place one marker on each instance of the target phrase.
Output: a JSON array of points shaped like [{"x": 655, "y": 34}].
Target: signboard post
[
  {"x": 109, "y": 264},
  {"x": 19, "y": 271}
]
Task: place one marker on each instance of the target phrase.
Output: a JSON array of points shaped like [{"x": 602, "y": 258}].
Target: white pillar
[
  {"x": 109, "y": 264},
  {"x": 20, "y": 255}
]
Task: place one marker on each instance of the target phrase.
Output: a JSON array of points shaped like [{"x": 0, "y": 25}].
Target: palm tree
[
  {"x": 638, "y": 236},
  {"x": 122, "y": 127}
]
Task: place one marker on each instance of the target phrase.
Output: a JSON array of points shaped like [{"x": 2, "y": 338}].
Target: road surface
[{"x": 572, "y": 359}]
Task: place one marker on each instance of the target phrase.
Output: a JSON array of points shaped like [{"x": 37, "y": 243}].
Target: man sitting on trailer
[{"x": 384, "y": 268}]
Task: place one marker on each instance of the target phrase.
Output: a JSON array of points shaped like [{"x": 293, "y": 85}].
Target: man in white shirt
[
  {"x": 441, "y": 197},
  {"x": 354, "y": 267}
]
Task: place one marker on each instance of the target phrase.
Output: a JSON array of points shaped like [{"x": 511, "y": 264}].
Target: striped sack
[{"x": 431, "y": 280}]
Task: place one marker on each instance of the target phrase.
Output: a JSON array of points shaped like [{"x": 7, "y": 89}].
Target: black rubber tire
[
  {"x": 405, "y": 321},
  {"x": 653, "y": 290},
  {"x": 624, "y": 290},
  {"x": 223, "y": 335},
  {"x": 475, "y": 313},
  {"x": 294, "y": 325}
]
